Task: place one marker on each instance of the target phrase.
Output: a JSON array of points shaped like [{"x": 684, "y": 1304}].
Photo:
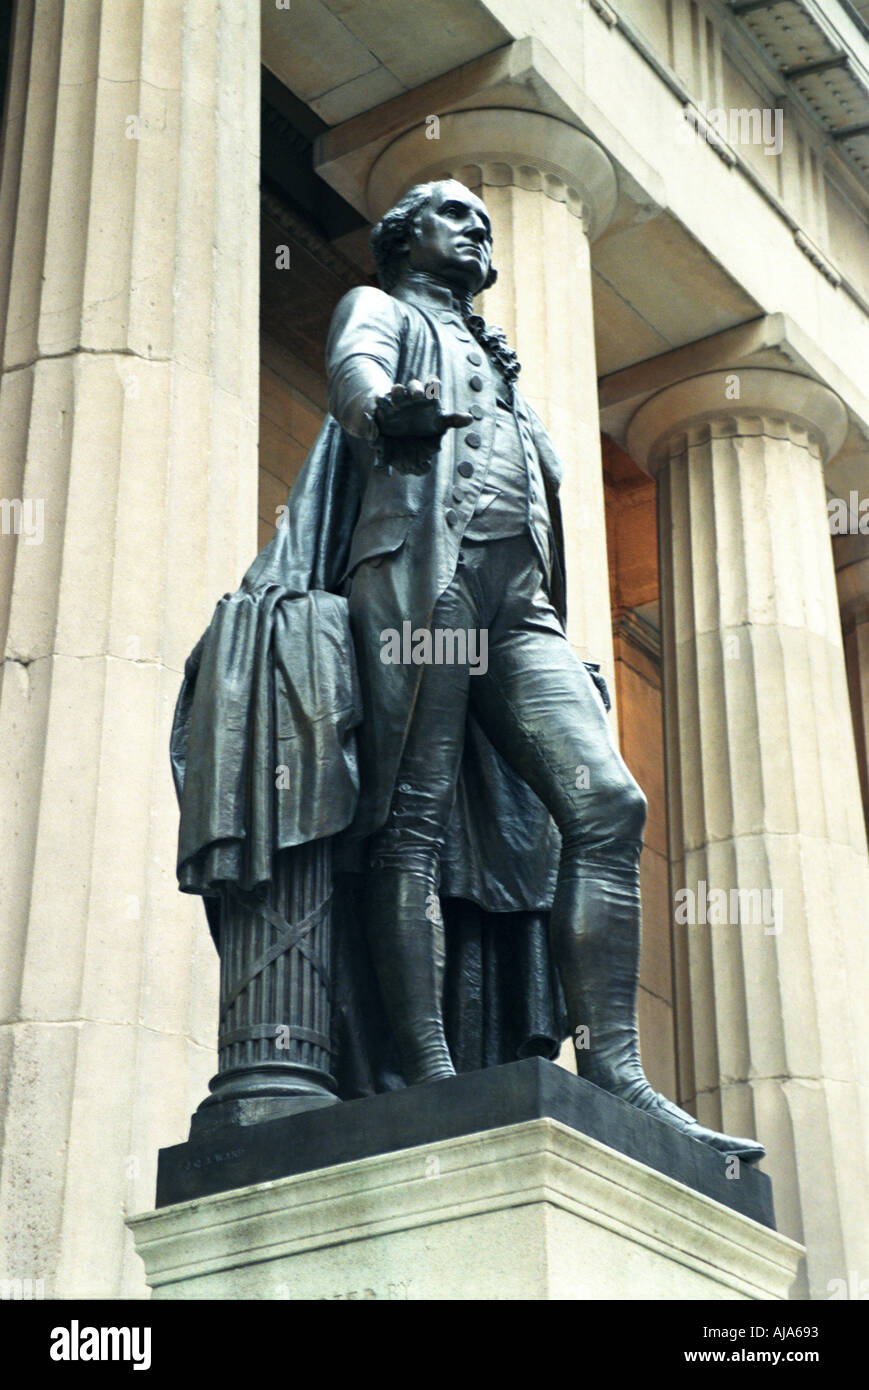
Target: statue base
[
  {"x": 253, "y": 1095},
  {"x": 519, "y": 1182}
]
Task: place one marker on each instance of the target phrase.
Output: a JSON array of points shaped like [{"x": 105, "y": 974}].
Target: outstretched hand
[{"x": 412, "y": 415}]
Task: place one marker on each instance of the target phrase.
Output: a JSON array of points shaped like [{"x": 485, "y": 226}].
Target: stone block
[{"x": 531, "y": 1211}]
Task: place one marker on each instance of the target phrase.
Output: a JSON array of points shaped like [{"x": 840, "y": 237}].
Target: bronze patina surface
[{"x": 419, "y": 854}]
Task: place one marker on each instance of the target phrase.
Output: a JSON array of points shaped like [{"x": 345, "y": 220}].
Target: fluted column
[
  {"x": 763, "y": 791},
  {"x": 550, "y": 190},
  {"x": 128, "y": 408}
]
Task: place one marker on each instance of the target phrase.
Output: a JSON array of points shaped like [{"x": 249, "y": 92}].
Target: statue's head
[{"x": 440, "y": 228}]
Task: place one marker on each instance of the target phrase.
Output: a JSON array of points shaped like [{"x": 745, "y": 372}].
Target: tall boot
[
  {"x": 595, "y": 931},
  {"x": 406, "y": 937}
]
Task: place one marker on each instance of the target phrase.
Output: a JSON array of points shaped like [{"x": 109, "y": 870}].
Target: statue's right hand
[
  {"x": 413, "y": 414},
  {"x": 415, "y": 410}
]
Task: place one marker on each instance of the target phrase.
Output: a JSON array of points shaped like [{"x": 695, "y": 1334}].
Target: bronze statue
[{"x": 402, "y": 641}]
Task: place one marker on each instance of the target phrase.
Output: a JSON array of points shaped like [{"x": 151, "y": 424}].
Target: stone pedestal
[
  {"x": 515, "y": 1195},
  {"x": 515, "y": 1182}
]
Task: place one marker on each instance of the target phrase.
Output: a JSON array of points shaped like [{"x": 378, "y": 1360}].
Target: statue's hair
[{"x": 388, "y": 239}]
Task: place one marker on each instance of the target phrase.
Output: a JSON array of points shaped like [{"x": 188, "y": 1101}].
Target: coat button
[
  {"x": 475, "y": 358},
  {"x": 466, "y": 469},
  {"x": 473, "y": 440},
  {"x": 476, "y": 411},
  {"x": 452, "y": 517},
  {"x": 458, "y": 495},
  {"x": 476, "y": 383}
]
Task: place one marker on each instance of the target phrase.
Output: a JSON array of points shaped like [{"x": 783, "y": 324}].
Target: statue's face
[{"x": 452, "y": 239}]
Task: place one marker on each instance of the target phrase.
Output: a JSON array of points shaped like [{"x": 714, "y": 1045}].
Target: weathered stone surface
[
  {"x": 533, "y": 1210},
  {"x": 763, "y": 790},
  {"x": 128, "y": 407}
]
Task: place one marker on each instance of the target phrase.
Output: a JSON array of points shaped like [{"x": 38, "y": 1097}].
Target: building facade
[{"x": 679, "y": 192}]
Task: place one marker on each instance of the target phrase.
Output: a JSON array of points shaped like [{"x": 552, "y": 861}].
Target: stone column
[
  {"x": 766, "y": 824},
  {"x": 550, "y": 191},
  {"x": 129, "y": 221}
]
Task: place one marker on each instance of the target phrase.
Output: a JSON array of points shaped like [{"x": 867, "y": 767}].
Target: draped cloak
[{"x": 289, "y": 728}]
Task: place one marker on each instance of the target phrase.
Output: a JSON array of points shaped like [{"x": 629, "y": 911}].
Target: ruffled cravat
[{"x": 494, "y": 342}]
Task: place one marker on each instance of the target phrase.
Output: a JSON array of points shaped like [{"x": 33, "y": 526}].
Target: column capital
[
  {"x": 741, "y": 401},
  {"x": 498, "y": 147}
]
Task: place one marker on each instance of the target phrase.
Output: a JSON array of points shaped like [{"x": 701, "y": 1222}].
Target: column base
[
  {"x": 517, "y": 1182},
  {"x": 251, "y": 1095}
]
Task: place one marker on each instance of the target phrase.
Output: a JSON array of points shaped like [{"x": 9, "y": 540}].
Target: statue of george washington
[{"x": 484, "y": 832}]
